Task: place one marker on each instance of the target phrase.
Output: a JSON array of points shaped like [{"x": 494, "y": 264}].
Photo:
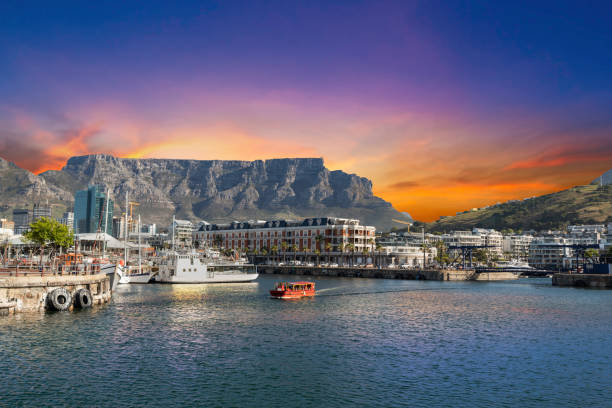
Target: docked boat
[
  {"x": 199, "y": 268},
  {"x": 292, "y": 290},
  {"x": 135, "y": 274}
]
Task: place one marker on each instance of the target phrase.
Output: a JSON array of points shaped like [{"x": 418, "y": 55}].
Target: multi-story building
[
  {"x": 92, "y": 208},
  {"x": 41, "y": 211},
  {"x": 183, "y": 232},
  {"x": 326, "y": 234},
  {"x": 7, "y": 225},
  {"x": 67, "y": 219},
  {"x": 551, "y": 252},
  {"x": 22, "y": 218},
  {"x": 516, "y": 247},
  {"x": 491, "y": 239},
  {"x": 462, "y": 238}
]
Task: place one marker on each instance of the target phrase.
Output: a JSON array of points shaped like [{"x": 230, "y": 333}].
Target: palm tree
[
  {"x": 351, "y": 248},
  {"x": 318, "y": 240},
  {"x": 378, "y": 248},
  {"x": 294, "y": 248},
  {"x": 284, "y": 246},
  {"x": 328, "y": 248},
  {"x": 318, "y": 254},
  {"x": 274, "y": 250},
  {"x": 341, "y": 249},
  {"x": 264, "y": 252}
]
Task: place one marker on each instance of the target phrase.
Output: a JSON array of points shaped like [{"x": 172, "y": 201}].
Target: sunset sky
[{"x": 444, "y": 105}]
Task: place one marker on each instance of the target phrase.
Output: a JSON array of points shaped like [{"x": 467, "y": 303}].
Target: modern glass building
[{"x": 90, "y": 211}]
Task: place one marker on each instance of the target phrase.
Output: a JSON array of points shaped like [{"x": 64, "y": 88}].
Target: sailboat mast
[
  {"x": 139, "y": 253},
  {"x": 105, "y": 223},
  {"x": 126, "y": 231}
]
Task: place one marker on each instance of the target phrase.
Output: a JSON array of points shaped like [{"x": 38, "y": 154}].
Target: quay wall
[
  {"x": 582, "y": 280},
  {"x": 385, "y": 273},
  {"x": 29, "y": 293}
]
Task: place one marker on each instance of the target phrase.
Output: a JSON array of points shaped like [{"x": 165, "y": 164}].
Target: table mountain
[{"x": 219, "y": 190}]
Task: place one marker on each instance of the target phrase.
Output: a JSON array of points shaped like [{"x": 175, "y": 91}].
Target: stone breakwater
[
  {"x": 387, "y": 273},
  {"x": 30, "y": 293}
]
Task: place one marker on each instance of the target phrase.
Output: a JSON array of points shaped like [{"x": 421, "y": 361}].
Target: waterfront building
[
  {"x": 326, "y": 234},
  {"x": 41, "y": 211},
  {"x": 412, "y": 255},
  {"x": 516, "y": 247},
  {"x": 492, "y": 239},
  {"x": 462, "y": 238},
  {"x": 183, "y": 232},
  {"x": 22, "y": 218},
  {"x": 551, "y": 252},
  {"x": 90, "y": 211}
]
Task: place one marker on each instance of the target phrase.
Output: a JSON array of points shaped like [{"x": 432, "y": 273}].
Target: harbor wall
[
  {"x": 386, "y": 273},
  {"x": 582, "y": 280},
  {"x": 29, "y": 293}
]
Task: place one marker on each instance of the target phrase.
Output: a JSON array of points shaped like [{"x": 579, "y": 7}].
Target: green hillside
[{"x": 590, "y": 204}]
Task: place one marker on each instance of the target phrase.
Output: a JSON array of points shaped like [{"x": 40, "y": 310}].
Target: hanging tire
[
  {"x": 59, "y": 299},
  {"x": 83, "y": 299}
]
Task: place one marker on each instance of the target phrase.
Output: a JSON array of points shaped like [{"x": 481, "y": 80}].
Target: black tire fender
[
  {"x": 59, "y": 299},
  {"x": 83, "y": 299}
]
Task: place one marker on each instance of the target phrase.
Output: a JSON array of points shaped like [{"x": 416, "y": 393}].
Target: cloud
[{"x": 403, "y": 185}]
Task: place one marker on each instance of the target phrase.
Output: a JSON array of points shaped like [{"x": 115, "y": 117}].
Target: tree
[
  {"x": 46, "y": 232},
  {"x": 294, "y": 248},
  {"x": 328, "y": 248},
  {"x": 318, "y": 254},
  {"x": 591, "y": 254},
  {"x": 284, "y": 246},
  {"x": 378, "y": 257}
]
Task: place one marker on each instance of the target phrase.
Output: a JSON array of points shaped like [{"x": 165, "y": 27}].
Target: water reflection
[{"x": 360, "y": 343}]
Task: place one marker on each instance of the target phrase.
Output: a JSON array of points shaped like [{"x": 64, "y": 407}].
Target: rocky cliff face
[
  {"x": 19, "y": 187},
  {"x": 222, "y": 190}
]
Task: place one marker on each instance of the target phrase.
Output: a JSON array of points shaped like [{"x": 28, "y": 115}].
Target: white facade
[
  {"x": 550, "y": 253},
  {"x": 517, "y": 246},
  {"x": 492, "y": 239},
  {"x": 411, "y": 255},
  {"x": 183, "y": 232}
]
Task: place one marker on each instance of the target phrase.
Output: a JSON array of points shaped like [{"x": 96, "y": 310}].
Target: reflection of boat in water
[
  {"x": 292, "y": 290},
  {"x": 193, "y": 268}
]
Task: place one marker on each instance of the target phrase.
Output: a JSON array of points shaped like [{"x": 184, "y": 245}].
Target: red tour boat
[{"x": 292, "y": 290}]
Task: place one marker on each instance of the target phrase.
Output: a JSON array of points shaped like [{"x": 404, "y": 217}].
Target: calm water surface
[{"x": 360, "y": 342}]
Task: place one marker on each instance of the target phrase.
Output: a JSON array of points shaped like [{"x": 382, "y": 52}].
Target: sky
[{"x": 444, "y": 105}]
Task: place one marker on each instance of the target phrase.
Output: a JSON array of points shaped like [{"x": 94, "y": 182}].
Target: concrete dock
[
  {"x": 602, "y": 281},
  {"x": 387, "y": 273},
  {"x": 29, "y": 293}
]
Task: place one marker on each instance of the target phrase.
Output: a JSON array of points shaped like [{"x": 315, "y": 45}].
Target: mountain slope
[
  {"x": 19, "y": 188},
  {"x": 222, "y": 190},
  {"x": 588, "y": 204}
]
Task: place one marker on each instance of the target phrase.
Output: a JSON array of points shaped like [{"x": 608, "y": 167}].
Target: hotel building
[{"x": 334, "y": 234}]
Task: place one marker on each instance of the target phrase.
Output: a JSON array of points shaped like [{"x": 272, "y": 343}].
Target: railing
[{"x": 51, "y": 270}]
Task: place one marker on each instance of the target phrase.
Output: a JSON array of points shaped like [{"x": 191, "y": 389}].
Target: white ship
[{"x": 191, "y": 268}]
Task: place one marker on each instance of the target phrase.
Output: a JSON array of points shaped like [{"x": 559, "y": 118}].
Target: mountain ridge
[{"x": 216, "y": 190}]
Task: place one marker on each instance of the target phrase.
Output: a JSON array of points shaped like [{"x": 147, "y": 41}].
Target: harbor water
[{"x": 359, "y": 342}]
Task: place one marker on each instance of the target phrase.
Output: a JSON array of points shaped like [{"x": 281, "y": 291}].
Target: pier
[
  {"x": 31, "y": 293},
  {"x": 387, "y": 273},
  {"x": 601, "y": 281}
]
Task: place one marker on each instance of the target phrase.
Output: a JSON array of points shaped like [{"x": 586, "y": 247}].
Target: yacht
[
  {"x": 135, "y": 274},
  {"x": 199, "y": 268}
]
